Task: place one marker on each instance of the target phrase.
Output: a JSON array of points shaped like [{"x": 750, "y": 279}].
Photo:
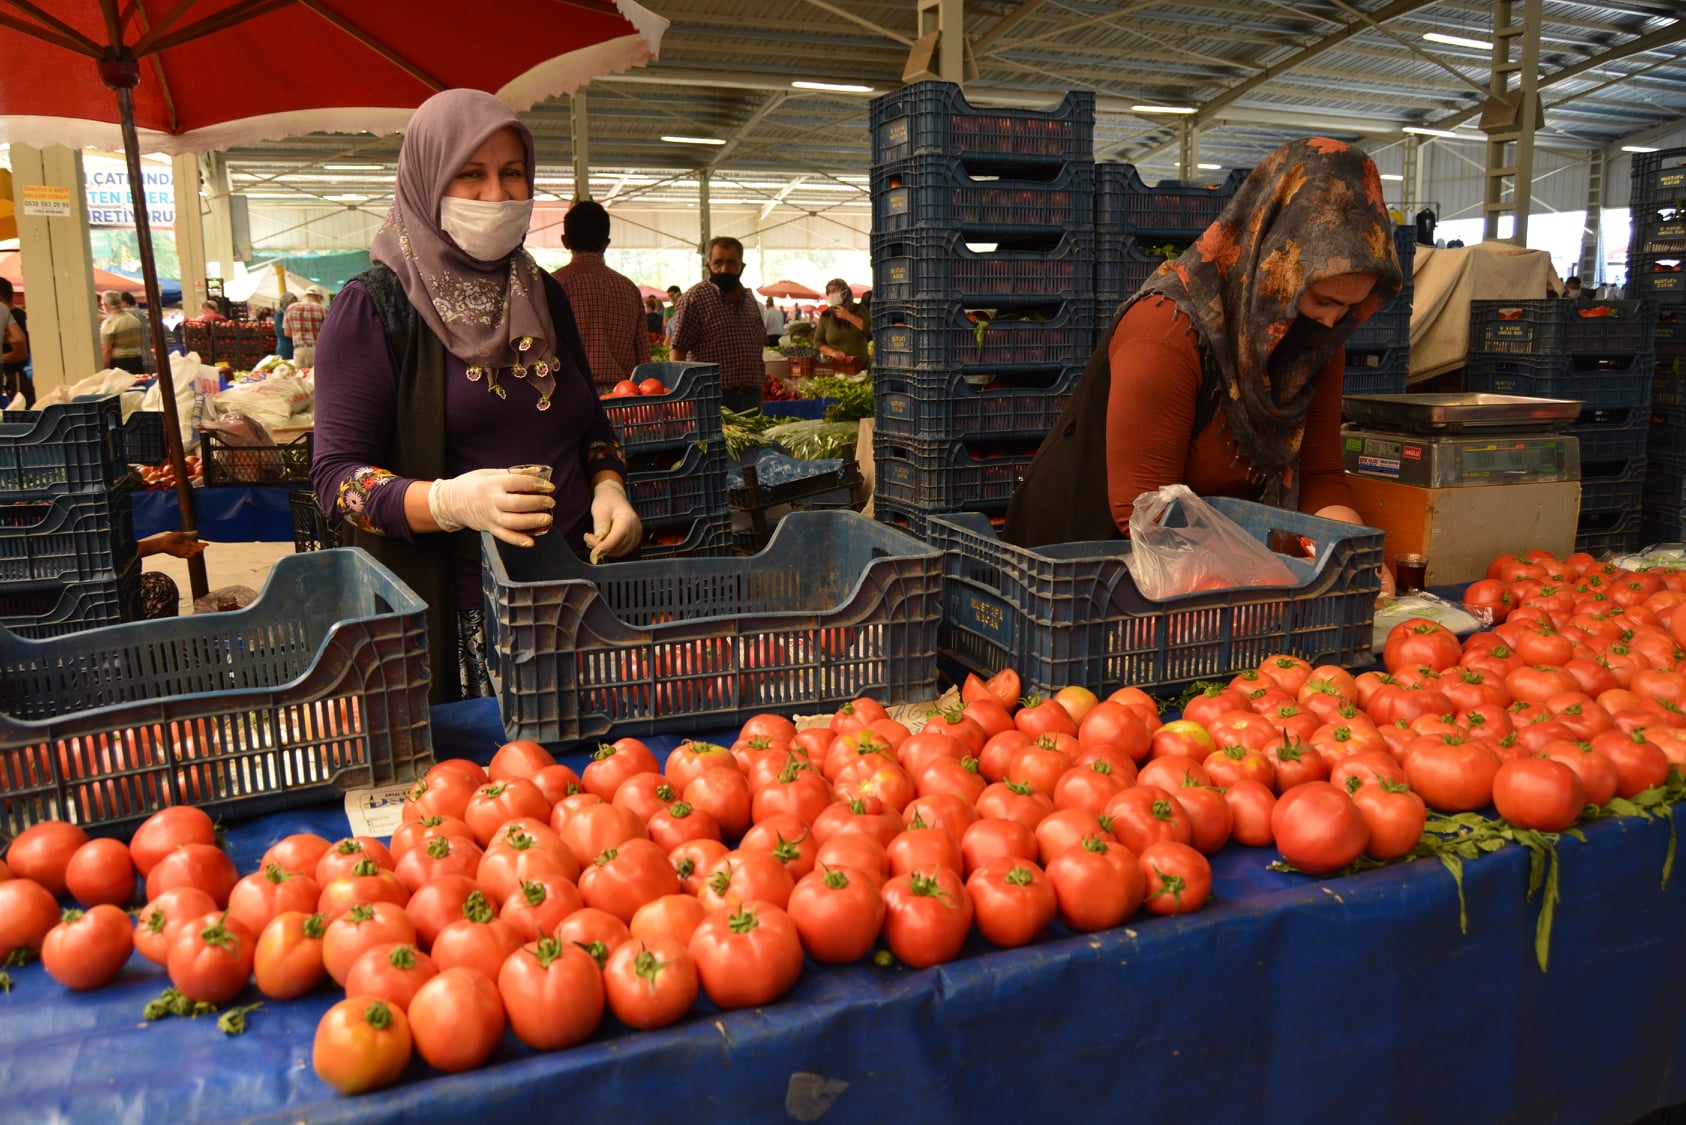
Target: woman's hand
[
  {"x": 615, "y": 527},
  {"x": 177, "y": 543},
  {"x": 507, "y": 504}
]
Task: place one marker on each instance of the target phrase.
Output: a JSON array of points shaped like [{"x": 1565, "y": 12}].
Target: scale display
[{"x": 1453, "y": 461}]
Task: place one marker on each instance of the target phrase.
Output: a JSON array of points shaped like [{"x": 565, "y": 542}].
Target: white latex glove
[
  {"x": 507, "y": 504},
  {"x": 616, "y": 528}
]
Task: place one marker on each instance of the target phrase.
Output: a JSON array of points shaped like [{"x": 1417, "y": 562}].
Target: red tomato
[
  {"x": 156, "y": 923},
  {"x": 361, "y": 1044},
  {"x": 679, "y": 822},
  {"x": 520, "y": 758},
  {"x": 28, "y": 912},
  {"x": 539, "y": 904},
  {"x": 1598, "y": 775},
  {"x": 723, "y": 795},
  {"x": 1066, "y": 828},
  {"x": 1210, "y": 818},
  {"x": 597, "y": 931},
  {"x": 298, "y": 853},
  {"x": 362, "y": 927},
  {"x": 592, "y": 830},
  {"x": 456, "y": 1019},
  {"x": 444, "y": 794},
  {"x": 803, "y": 793},
  {"x": 518, "y": 856},
  {"x": 959, "y": 727},
  {"x": 924, "y": 848},
  {"x": 625, "y": 388},
  {"x": 1451, "y": 776},
  {"x": 101, "y": 871},
  {"x": 855, "y": 850},
  {"x": 42, "y": 852},
  {"x": 694, "y": 860},
  {"x": 479, "y": 940},
  {"x": 651, "y": 982},
  {"x": 166, "y": 830},
  {"x": 1251, "y": 803},
  {"x": 1037, "y": 716},
  {"x": 1294, "y": 764},
  {"x": 1538, "y": 793},
  {"x": 1320, "y": 831},
  {"x": 211, "y": 957},
  {"x": 992, "y": 838},
  {"x": 1145, "y": 814},
  {"x": 88, "y": 949},
  {"x": 787, "y": 839},
  {"x": 263, "y": 894},
  {"x": 343, "y": 856},
  {"x": 204, "y": 866},
  {"x": 1394, "y": 815},
  {"x": 690, "y": 758},
  {"x": 748, "y": 956},
  {"x": 927, "y": 915},
  {"x": 473, "y": 771},
  {"x": 1172, "y": 772},
  {"x": 366, "y": 883},
  {"x": 288, "y": 959},
  {"x": 1096, "y": 885},
  {"x": 495, "y": 804},
  {"x": 623, "y": 878},
  {"x": 1088, "y": 787},
  {"x": 947, "y": 811},
  {"x": 1184, "y": 738},
  {"x": 838, "y": 913},
  {"x": 1639, "y": 764},
  {"x": 552, "y": 994},
  {"x": 671, "y": 916},
  {"x": 392, "y": 971},
  {"x": 1176, "y": 878},
  {"x": 1013, "y": 901},
  {"x": 1009, "y": 800},
  {"x": 437, "y": 905},
  {"x": 741, "y": 876}
]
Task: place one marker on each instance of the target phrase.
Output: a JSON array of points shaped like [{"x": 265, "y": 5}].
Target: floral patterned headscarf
[
  {"x": 494, "y": 318},
  {"x": 1311, "y": 210}
]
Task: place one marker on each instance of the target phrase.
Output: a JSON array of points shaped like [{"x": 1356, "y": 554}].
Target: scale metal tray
[{"x": 1460, "y": 412}]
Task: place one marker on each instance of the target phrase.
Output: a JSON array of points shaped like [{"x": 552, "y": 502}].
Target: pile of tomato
[
  {"x": 628, "y": 388},
  {"x": 528, "y": 896},
  {"x": 163, "y": 475}
]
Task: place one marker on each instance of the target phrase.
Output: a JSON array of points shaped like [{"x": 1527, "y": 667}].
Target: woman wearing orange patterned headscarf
[{"x": 1224, "y": 371}]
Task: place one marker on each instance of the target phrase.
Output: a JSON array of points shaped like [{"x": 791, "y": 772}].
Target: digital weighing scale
[{"x": 1462, "y": 478}]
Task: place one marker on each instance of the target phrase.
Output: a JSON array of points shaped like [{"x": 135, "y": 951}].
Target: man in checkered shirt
[
  {"x": 718, "y": 321},
  {"x": 302, "y": 324},
  {"x": 607, "y": 306}
]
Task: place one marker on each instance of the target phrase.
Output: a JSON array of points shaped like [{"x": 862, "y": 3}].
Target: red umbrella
[
  {"x": 168, "y": 63},
  {"x": 11, "y": 268},
  {"x": 788, "y": 290},
  {"x": 652, "y": 291}
]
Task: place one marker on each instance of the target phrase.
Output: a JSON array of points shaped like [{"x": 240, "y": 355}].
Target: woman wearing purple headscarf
[{"x": 454, "y": 356}]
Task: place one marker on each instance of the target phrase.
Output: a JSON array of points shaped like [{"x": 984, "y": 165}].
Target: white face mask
[
  {"x": 834, "y": 299},
  {"x": 486, "y": 231}
]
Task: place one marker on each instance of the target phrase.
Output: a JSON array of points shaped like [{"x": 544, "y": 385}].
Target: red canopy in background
[
  {"x": 787, "y": 290},
  {"x": 11, "y": 268}
]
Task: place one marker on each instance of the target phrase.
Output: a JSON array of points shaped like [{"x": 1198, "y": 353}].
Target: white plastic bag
[{"x": 1204, "y": 550}]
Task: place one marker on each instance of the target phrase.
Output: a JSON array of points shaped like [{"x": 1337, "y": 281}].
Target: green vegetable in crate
[{"x": 813, "y": 440}]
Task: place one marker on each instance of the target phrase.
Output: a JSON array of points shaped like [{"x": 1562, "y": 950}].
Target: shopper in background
[
  {"x": 842, "y": 328},
  {"x": 673, "y": 295},
  {"x": 454, "y": 356},
  {"x": 303, "y": 324},
  {"x": 284, "y": 342},
  {"x": 717, "y": 321},
  {"x": 14, "y": 347},
  {"x": 211, "y": 310},
  {"x": 606, "y": 304},
  {"x": 1224, "y": 371},
  {"x": 1572, "y": 288},
  {"x": 121, "y": 335},
  {"x": 653, "y": 316},
  {"x": 132, "y": 307},
  {"x": 772, "y": 317}
]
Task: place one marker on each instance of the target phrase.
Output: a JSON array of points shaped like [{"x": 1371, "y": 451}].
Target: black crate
[
  {"x": 1670, "y": 336},
  {"x": 1658, "y": 232},
  {"x": 82, "y": 536},
  {"x": 286, "y": 464},
  {"x": 143, "y": 438},
  {"x": 917, "y": 522},
  {"x": 948, "y": 475},
  {"x": 680, "y": 485},
  {"x": 1603, "y": 534},
  {"x": 1612, "y": 435},
  {"x": 1388, "y": 328},
  {"x": 704, "y": 536},
  {"x": 1376, "y": 373},
  {"x": 1551, "y": 328},
  {"x": 940, "y": 193},
  {"x": 1598, "y": 381},
  {"x": 688, "y": 413},
  {"x": 1612, "y": 486},
  {"x": 54, "y": 609},
  {"x": 1659, "y": 177},
  {"x": 312, "y": 529},
  {"x": 946, "y": 334},
  {"x": 1169, "y": 209},
  {"x": 944, "y": 403},
  {"x": 68, "y": 447},
  {"x": 943, "y": 265},
  {"x": 1661, "y": 277},
  {"x": 1123, "y": 265},
  {"x": 935, "y": 119}
]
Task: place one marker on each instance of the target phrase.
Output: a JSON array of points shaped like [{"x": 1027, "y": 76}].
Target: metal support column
[
  {"x": 705, "y": 227},
  {"x": 1188, "y": 152},
  {"x": 1590, "y": 272},
  {"x": 578, "y": 131},
  {"x": 1511, "y": 116}
]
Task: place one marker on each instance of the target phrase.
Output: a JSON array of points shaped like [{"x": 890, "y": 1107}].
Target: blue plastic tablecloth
[
  {"x": 1287, "y": 999},
  {"x": 227, "y": 514}
]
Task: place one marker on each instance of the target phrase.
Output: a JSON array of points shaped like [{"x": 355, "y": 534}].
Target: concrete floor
[{"x": 226, "y": 564}]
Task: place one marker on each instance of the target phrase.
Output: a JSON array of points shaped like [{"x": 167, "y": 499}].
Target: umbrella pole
[{"x": 154, "y": 314}]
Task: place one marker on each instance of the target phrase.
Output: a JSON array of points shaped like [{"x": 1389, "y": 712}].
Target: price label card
[{"x": 376, "y": 812}]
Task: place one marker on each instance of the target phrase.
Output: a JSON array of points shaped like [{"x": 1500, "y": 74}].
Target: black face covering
[
  {"x": 726, "y": 282},
  {"x": 1304, "y": 336}
]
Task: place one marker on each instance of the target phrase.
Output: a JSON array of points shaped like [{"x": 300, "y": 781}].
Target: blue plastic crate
[
  {"x": 143, "y": 438},
  {"x": 1665, "y": 481},
  {"x": 1405, "y": 249},
  {"x": 939, "y": 402},
  {"x": 1667, "y": 433},
  {"x": 1661, "y": 277},
  {"x": 1376, "y": 372},
  {"x": 1670, "y": 337},
  {"x": 704, "y": 536},
  {"x": 1668, "y": 385},
  {"x": 1658, "y": 232},
  {"x": 1122, "y": 266},
  {"x": 688, "y": 413},
  {"x": 937, "y": 193},
  {"x": 693, "y": 485},
  {"x": 1659, "y": 177},
  {"x": 78, "y": 536},
  {"x": 68, "y": 447},
  {"x": 1389, "y": 328},
  {"x": 917, "y": 522},
  {"x": 1606, "y": 533},
  {"x": 1169, "y": 209},
  {"x": 1608, "y": 486},
  {"x": 835, "y": 607},
  {"x": 1659, "y": 528},
  {"x": 318, "y": 686},
  {"x": 1598, "y": 381},
  {"x": 943, "y": 334},
  {"x": 1554, "y": 328},
  {"x": 1618, "y": 436},
  {"x": 935, "y": 119},
  {"x": 1071, "y": 614},
  {"x": 948, "y": 476},
  {"x": 40, "y": 610},
  {"x": 941, "y": 265}
]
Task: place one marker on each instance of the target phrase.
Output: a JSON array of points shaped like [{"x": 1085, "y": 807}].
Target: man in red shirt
[
  {"x": 606, "y": 304},
  {"x": 718, "y": 321},
  {"x": 302, "y": 323}
]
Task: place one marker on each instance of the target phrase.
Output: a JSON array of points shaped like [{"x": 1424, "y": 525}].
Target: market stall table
[
  {"x": 1288, "y": 998},
  {"x": 227, "y": 514}
]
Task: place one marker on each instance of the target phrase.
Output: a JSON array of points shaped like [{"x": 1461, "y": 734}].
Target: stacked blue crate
[
  {"x": 983, "y": 310},
  {"x": 67, "y": 538},
  {"x": 1139, "y": 227},
  {"x": 1378, "y": 353},
  {"x": 1656, "y": 252},
  {"x": 676, "y": 460},
  {"x": 1598, "y": 352}
]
